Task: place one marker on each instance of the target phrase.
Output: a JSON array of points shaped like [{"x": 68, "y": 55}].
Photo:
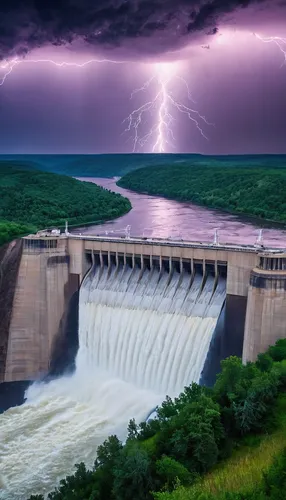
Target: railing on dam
[
  {"x": 175, "y": 242},
  {"x": 42, "y": 243}
]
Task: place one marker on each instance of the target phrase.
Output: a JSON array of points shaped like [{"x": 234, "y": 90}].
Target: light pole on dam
[{"x": 52, "y": 268}]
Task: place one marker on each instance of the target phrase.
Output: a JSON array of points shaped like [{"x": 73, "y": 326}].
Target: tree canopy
[
  {"x": 253, "y": 190},
  {"x": 31, "y": 200}
]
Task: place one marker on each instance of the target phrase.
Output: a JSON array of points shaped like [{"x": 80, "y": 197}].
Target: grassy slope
[
  {"x": 30, "y": 199},
  {"x": 243, "y": 471},
  {"x": 258, "y": 191}
]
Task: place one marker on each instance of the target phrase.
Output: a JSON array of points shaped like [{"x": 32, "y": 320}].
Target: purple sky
[{"x": 238, "y": 83}]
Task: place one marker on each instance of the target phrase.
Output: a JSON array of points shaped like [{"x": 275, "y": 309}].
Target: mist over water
[{"x": 142, "y": 335}]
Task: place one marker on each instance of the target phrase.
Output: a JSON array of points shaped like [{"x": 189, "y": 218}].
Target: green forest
[
  {"x": 32, "y": 200},
  {"x": 222, "y": 443},
  {"x": 117, "y": 165},
  {"x": 252, "y": 190}
]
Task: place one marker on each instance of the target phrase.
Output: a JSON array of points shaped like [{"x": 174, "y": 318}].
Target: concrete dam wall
[
  {"x": 184, "y": 280},
  {"x": 10, "y": 257},
  {"x": 43, "y": 289}
]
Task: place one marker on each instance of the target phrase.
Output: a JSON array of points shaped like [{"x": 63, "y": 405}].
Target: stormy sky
[{"x": 217, "y": 87}]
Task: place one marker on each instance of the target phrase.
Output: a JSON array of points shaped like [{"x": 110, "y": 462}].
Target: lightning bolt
[
  {"x": 8, "y": 66},
  {"x": 162, "y": 103},
  {"x": 277, "y": 40}
]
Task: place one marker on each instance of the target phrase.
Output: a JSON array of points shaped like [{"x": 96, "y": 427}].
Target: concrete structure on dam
[{"x": 52, "y": 268}]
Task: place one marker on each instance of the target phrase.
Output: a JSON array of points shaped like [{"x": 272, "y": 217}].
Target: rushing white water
[{"x": 141, "y": 336}]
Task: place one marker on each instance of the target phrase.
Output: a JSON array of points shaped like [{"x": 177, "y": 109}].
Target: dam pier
[{"x": 185, "y": 279}]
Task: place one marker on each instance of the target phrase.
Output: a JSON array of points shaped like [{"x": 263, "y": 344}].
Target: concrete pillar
[
  {"x": 203, "y": 279},
  {"x": 39, "y": 304},
  {"x": 266, "y": 312},
  {"x": 170, "y": 271},
  {"x": 142, "y": 267},
  {"x": 117, "y": 263},
  {"x": 216, "y": 277}
]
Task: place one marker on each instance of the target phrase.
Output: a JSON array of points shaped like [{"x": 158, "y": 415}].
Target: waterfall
[{"x": 143, "y": 333}]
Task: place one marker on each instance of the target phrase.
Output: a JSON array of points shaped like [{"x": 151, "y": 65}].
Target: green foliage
[
  {"x": 192, "y": 435},
  {"x": 132, "y": 474},
  {"x": 132, "y": 430},
  {"x": 172, "y": 472},
  {"x": 108, "y": 455},
  {"x": 246, "y": 393},
  {"x": 78, "y": 486},
  {"x": 31, "y": 200},
  {"x": 278, "y": 351},
  {"x": 11, "y": 230},
  {"x": 249, "y": 413},
  {"x": 264, "y": 362},
  {"x": 108, "y": 452},
  {"x": 239, "y": 187}
]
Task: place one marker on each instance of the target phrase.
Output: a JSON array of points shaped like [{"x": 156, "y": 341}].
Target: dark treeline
[
  {"x": 31, "y": 200},
  {"x": 112, "y": 165},
  {"x": 253, "y": 190},
  {"x": 189, "y": 437}
]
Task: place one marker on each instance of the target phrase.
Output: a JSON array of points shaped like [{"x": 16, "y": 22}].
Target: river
[{"x": 154, "y": 216}]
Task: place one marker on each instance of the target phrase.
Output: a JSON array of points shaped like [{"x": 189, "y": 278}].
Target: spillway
[{"x": 143, "y": 333}]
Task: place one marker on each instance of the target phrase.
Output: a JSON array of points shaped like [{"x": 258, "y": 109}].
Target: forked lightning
[
  {"x": 164, "y": 100},
  {"x": 277, "y": 40},
  {"x": 8, "y": 66},
  {"x": 160, "y": 135}
]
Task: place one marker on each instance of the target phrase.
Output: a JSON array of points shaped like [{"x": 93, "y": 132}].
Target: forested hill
[
  {"x": 252, "y": 190},
  {"x": 100, "y": 165},
  {"x": 117, "y": 165},
  {"x": 31, "y": 200}
]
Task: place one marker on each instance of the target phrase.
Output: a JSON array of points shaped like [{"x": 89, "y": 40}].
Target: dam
[
  {"x": 185, "y": 279},
  {"x": 148, "y": 313}
]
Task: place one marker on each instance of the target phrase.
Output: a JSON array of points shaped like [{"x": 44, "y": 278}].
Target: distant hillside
[
  {"x": 248, "y": 189},
  {"x": 117, "y": 165},
  {"x": 107, "y": 165},
  {"x": 19, "y": 164},
  {"x": 31, "y": 200}
]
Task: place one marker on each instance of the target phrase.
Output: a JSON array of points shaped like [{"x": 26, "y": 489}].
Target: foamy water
[{"x": 141, "y": 337}]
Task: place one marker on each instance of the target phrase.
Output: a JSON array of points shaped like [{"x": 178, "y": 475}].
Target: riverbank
[
  {"x": 32, "y": 200},
  {"x": 249, "y": 191}
]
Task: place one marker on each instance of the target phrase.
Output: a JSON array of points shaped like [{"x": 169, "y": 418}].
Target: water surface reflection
[{"x": 154, "y": 216}]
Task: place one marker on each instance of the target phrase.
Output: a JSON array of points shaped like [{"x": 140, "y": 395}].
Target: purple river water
[{"x": 157, "y": 217}]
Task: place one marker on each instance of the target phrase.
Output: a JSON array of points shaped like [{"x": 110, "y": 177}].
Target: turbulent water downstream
[{"x": 141, "y": 336}]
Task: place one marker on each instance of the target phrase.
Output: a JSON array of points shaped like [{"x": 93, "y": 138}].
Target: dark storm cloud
[{"x": 29, "y": 24}]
